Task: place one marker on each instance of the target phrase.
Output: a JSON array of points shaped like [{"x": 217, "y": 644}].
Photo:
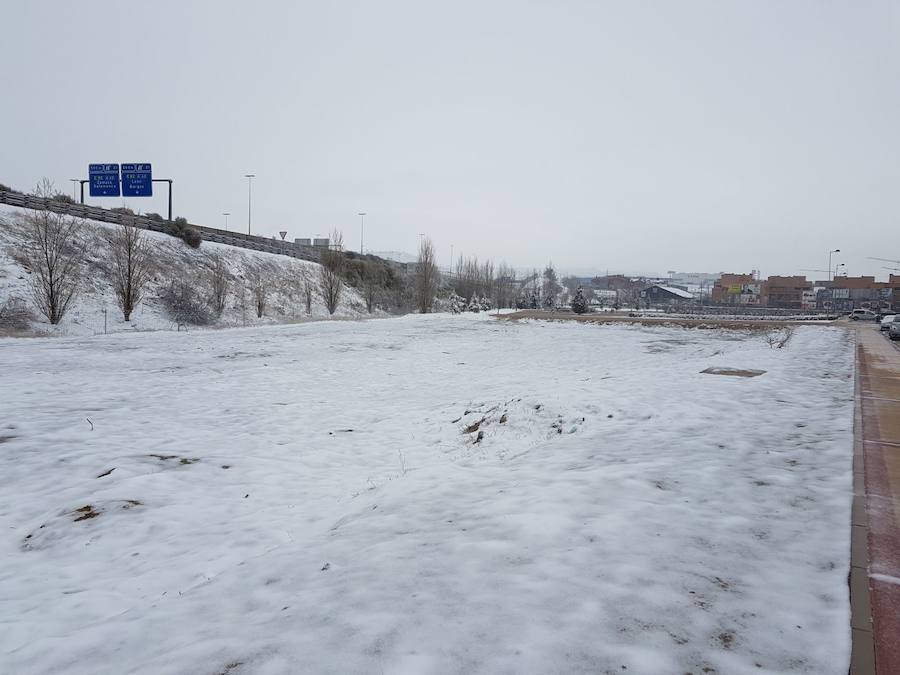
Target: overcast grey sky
[{"x": 630, "y": 136}]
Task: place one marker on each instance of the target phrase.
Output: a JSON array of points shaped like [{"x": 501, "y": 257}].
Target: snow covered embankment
[{"x": 96, "y": 311}]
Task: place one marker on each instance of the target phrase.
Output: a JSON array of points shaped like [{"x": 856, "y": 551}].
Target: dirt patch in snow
[{"x": 734, "y": 372}]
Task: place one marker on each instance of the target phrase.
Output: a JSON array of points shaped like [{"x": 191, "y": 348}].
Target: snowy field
[{"x": 307, "y": 499}]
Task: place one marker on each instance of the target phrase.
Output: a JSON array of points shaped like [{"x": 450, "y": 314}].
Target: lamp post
[
  {"x": 250, "y": 177},
  {"x": 226, "y": 214},
  {"x": 837, "y": 250},
  {"x": 362, "y": 218},
  {"x": 836, "y": 269}
]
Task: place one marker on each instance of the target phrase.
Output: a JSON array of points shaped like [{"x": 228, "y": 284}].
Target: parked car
[
  {"x": 863, "y": 315},
  {"x": 894, "y": 330},
  {"x": 887, "y": 321}
]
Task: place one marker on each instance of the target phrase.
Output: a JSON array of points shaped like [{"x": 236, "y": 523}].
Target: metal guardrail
[{"x": 247, "y": 241}]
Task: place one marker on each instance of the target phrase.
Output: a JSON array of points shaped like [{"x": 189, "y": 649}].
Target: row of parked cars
[{"x": 890, "y": 323}]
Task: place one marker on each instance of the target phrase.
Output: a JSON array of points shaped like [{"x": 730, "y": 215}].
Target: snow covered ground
[{"x": 307, "y": 499}]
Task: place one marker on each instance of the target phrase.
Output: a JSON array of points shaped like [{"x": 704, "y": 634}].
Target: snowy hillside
[
  {"x": 427, "y": 495},
  {"x": 96, "y": 311}
]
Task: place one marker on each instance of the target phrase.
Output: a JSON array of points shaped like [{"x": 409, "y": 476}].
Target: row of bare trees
[
  {"x": 56, "y": 248},
  {"x": 480, "y": 279},
  {"x": 427, "y": 276}
]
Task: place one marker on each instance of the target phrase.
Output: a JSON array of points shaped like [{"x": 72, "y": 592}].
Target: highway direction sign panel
[
  {"x": 104, "y": 180},
  {"x": 137, "y": 180}
]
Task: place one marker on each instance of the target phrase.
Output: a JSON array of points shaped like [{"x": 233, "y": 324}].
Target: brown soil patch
[
  {"x": 708, "y": 323},
  {"x": 472, "y": 428},
  {"x": 733, "y": 372},
  {"x": 85, "y": 513}
]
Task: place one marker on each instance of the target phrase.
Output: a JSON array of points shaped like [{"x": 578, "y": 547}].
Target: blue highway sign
[
  {"x": 104, "y": 180},
  {"x": 137, "y": 180}
]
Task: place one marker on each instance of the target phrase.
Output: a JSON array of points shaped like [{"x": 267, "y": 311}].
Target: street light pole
[
  {"x": 362, "y": 218},
  {"x": 249, "y": 177},
  {"x": 837, "y": 250},
  {"x": 226, "y": 220}
]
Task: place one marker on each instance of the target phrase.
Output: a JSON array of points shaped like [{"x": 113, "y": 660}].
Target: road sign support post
[
  {"x": 134, "y": 190},
  {"x": 169, "y": 181}
]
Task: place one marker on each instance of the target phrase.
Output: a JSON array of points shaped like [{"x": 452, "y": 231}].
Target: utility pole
[
  {"x": 249, "y": 177},
  {"x": 837, "y": 250}
]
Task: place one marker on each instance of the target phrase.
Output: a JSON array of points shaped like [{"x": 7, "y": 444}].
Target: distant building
[
  {"x": 627, "y": 288},
  {"x": 658, "y": 294},
  {"x": 604, "y": 297},
  {"x": 848, "y": 293},
  {"x": 728, "y": 289},
  {"x": 786, "y": 292}
]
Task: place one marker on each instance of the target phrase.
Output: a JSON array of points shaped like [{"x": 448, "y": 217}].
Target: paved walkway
[{"x": 878, "y": 446}]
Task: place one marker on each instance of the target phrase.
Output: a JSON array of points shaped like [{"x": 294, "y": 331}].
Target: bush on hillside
[
  {"x": 184, "y": 305},
  {"x": 14, "y": 316},
  {"x": 182, "y": 230},
  {"x": 192, "y": 237}
]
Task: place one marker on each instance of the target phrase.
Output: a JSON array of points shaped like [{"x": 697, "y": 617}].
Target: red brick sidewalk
[{"x": 878, "y": 437}]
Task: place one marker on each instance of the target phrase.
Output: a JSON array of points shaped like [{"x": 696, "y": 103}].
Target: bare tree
[
  {"x": 307, "y": 294},
  {"x": 183, "y": 304},
  {"x": 372, "y": 282},
  {"x": 551, "y": 287},
  {"x": 504, "y": 286},
  {"x": 466, "y": 277},
  {"x": 217, "y": 275},
  {"x": 259, "y": 278},
  {"x": 54, "y": 254},
  {"x": 473, "y": 279},
  {"x": 241, "y": 301},
  {"x": 332, "y": 262},
  {"x": 132, "y": 266},
  {"x": 426, "y": 276},
  {"x": 486, "y": 280},
  {"x": 45, "y": 188}
]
